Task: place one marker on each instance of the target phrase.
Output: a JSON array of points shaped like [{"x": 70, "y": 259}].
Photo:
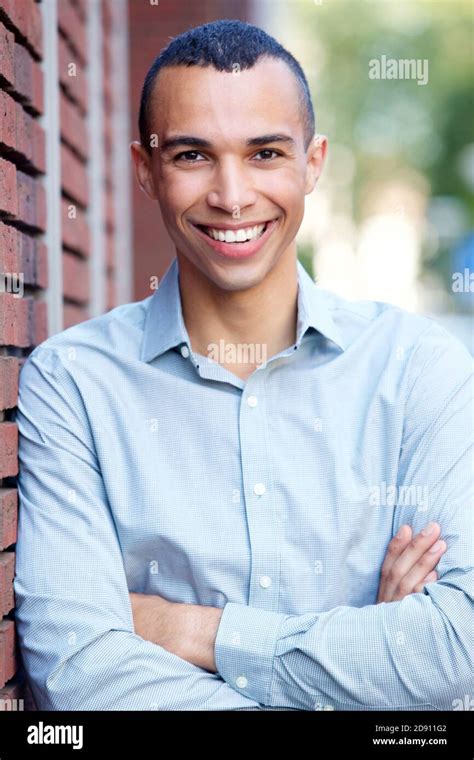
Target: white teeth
[{"x": 236, "y": 236}]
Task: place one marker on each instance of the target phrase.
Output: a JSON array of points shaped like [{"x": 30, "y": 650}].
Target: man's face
[{"x": 206, "y": 190}]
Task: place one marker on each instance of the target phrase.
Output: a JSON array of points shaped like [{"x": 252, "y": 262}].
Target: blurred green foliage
[{"x": 392, "y": 124}]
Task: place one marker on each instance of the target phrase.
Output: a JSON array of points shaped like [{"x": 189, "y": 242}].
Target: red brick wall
[
  {"x": 109, "y": 107},
  {"x": 22, "y": 255},
  {"x": 23, "y": 219},
  {"x": 74, "y": 148}
]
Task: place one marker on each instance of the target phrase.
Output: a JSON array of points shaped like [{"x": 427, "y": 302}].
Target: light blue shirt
[{"x": 147, "y": 468}]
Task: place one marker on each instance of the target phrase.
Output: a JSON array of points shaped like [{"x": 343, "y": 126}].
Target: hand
[{"x": 409, "y": 562}]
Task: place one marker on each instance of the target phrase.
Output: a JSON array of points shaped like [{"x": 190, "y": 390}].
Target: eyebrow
[{"x": 199, "y": 142}]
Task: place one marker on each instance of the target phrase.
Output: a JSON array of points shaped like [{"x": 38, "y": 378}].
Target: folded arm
[{"x": 409, "y": 654}]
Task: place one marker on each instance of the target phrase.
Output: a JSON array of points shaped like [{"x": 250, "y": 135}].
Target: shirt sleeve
[
  {"x": 73, "y": 612},
  {"x": 411, "y": 654}
]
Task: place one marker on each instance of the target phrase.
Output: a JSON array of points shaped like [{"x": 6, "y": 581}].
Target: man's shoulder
[
  {"x": 118, "y": 332},
  {"x": 377, "y": 322}
]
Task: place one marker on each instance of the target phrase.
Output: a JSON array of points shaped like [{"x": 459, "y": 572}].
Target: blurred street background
[{"x": 391, "y": 218}]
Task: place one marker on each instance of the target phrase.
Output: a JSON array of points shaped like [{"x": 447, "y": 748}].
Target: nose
[{"x": 232, "y": 188}]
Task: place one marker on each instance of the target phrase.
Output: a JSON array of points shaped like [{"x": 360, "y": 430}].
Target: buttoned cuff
[{"x": 245, "y": 647}]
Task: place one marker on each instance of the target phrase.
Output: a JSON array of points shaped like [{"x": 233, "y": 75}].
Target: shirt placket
[{"x": 259, "y": 495}]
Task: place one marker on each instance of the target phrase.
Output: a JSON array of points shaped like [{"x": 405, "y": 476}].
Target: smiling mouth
[{"x": 243, "y": 235}]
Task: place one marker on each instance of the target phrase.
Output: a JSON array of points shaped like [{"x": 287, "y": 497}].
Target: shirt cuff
[{"x": 245, "y": 647}]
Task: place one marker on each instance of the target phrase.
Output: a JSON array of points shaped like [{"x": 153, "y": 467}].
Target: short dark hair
[{"x": 223, "y": 44}]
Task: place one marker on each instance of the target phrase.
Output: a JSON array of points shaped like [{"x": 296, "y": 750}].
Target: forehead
[{"x": 225, "y": 105}]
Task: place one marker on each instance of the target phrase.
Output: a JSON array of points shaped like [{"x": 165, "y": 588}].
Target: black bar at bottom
[{"x": 378, "y": 734}]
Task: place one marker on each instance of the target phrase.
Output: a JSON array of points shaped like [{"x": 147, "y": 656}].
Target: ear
[
  {"x": 315, "y": 157},
  {"x": 142, "y": 163}
]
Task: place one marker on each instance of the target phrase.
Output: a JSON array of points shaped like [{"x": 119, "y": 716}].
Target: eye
[
  {"x": 268, "y": 150},
  {"x": 180, "y": 156}
]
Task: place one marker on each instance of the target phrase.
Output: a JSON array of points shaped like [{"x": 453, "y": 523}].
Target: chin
[{"x": 234, "y": 278}]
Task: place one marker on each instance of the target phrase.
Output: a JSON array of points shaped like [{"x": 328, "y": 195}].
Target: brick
[
  {"x": 7, "y": 571},
  {"x": 73, "y": 126},
  {"x": 8, "y": 189},
  {"x": 37, "y": 88},
  {"x": 25, "y": 17},
  {"x": 41, "y": 266},
  {"x": 8, "y": 449},
  {"x": 39, "y": 327},
  {"x": 111, "y": 292},
  {"x": 75, "y": 278},
  {"x": 31, "y": 201},
  {"x": 20, "y": 133},
  {"x": 9, "y": 258},
  {"x": 110, "y": 252},
  {"x": 27, "y": 247},
  {"x": 109, "y": 211},
  {"x": 108, "y": 177},
  {"x": 74, "y": 228},
  {"x": 21, "y": 253},
  {"x": 72, "y": 28},
  {"x": 75, "y": 86},
  {"x": 74, "y": 179},
  {"x": 9, "y": 368},
  {"x": 33, "y": 260},
  {"x": 80, "y": 7},
  {"x": 73, "y": 314},
  {"x": 107, "y": 16},
  {"x": 14, "y": 321},
  {"x": 7, "y": 43},
  {"x": 8, "y": 517},
  {"x": 108, "y": 145},
  {"x": 38, "y": 152},
  {"x": 7, "y": 120},
  {"x": 20, "y": 72},
  {"x": 8, "y": 659},
  {"x": 108, "y": 100}
]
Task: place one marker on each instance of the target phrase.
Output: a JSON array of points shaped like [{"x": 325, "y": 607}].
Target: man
[{"x": 204, "y": 525}]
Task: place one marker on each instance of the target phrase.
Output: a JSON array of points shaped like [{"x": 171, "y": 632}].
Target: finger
[
  {"x": 430, "y": 578},
  {"x": 420, "y": 570},
  {"x": 417, "y": 547},
  {"x": 396, "y": 546}
]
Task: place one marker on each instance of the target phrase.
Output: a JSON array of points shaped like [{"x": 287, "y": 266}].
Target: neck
[{"x": 263, "y": 316}]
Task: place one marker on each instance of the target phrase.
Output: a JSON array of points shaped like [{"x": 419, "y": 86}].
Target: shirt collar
[
  {"x": 165, "y": 328},
  {"x": 314, "y": 310}
]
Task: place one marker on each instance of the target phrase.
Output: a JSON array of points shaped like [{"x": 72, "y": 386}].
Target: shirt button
[
  {"x": 252, "y": 401},
  {"x": 259, "y": 489},
  {"x": 241, "y": 682},
  {"x": 185, "y": 351},
  {"x": 265, "y": 581}
]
